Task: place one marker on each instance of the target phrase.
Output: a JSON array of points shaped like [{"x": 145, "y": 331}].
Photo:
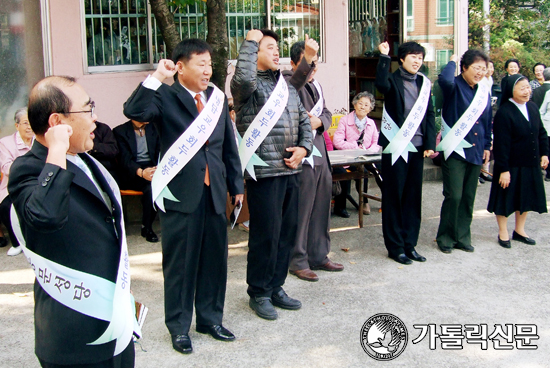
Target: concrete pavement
[{"x": 491, "y": 286}]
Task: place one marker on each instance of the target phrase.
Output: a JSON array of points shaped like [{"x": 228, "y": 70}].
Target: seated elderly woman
[
  {"x": 11, "y": 147},
  {"x": 357, "y": 131},
  {"x": 521, "y": 148}
]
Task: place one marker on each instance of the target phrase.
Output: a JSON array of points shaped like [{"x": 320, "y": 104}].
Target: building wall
[
  {"x": 110, "y": 90},
  {"x": 21, "y": 59}
]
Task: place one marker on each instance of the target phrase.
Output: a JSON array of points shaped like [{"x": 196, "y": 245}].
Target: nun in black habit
[{"x": 520, "y": 148}]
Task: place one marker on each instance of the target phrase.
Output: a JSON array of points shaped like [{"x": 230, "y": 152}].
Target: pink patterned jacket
[{"x": 347, "y": 134}]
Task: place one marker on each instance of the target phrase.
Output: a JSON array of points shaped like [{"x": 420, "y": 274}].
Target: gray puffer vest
[{"x": 251, "y": 89}]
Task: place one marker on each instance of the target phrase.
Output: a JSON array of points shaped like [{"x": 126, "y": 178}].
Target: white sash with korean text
[
  {"x": 86, "y": 293},
  {"x": 260, "y": 127},
  {"x": 455, "y": 142},
  {"x": 317, "y": 110},
  {"x": 185, "y": 147},
  {"x": 400, "y": 138}
]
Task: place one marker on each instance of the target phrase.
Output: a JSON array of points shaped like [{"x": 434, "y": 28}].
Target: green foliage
[
  {"x": 515, "y": 32},
  {"x": 182, "y": 3}
]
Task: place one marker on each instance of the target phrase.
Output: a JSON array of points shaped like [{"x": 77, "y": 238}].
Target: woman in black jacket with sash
[{"x": 520, "y": 148}]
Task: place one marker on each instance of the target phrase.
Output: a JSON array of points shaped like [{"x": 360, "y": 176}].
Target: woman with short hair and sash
[
  {"x": 466, "y": 144},
  {"x": 407, "y": 136}
]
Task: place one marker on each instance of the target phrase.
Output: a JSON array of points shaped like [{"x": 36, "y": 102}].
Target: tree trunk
[
  {"x": 217, "y": 38},
  {"x": 165, "y": 21}
]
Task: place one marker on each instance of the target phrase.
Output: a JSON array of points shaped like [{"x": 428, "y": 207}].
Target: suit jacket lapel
[
  {"x": 131, "y": 137},
  {"x": 82, "y": 180},
  {"x": 186, "y": 99},
  {"x": 117, "y": 209},
  {"x": 208, "y": 92}
]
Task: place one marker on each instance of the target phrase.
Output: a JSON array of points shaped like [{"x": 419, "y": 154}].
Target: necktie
[{"x": 200, "y": 106}]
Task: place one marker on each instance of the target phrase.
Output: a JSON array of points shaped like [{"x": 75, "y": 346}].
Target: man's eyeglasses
[{"x": 91, "y": 112}]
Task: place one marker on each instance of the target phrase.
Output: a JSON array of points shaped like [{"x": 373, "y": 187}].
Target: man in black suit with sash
[
  {"x": 402, "y": 189},
  {"x": 139, "y": 148},
  {"x": 194, "y": 226},
  {"x": 71, "y": 220}
]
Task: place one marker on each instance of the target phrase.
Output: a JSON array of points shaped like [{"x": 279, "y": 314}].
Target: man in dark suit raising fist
[
  {"x": 199, "y": 164},
  {"x": 71, "y": 222}
]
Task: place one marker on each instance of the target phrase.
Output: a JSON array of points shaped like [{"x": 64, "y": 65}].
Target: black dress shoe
[
  {"x": 342, "y": 213},
  {"x": 523, "y": 239},
  {"x": 504, "y": 243},
  {"x": 263, "y": 307},
  {"x": 464, "y": 247},
  {"x": 216, "y": 331},
  {"x": 182, "y": 343},
  {"x": 149, "y": 235},
  {"x": 402, "y": 258},
  {"x": 282, "y": 300},
  {"x": 445, "y": 250},
  {"x": 415, "y": 256}
]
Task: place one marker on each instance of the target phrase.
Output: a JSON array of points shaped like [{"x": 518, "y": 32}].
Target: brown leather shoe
[
  {"x": 330, "y": 266},
  {"x": 305, "y": 274}
]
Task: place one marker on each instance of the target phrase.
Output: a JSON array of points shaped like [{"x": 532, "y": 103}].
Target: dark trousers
[
  {"x": 142, "y": 185},
  {"x": 194, "y": 264},
  {"x": 273, "y": 206},
  {"x": 312, "y": 236},
  {"x": 459, "y": 188},
  {"x": 126, "y": 359},
  {"x": 5, "y": 207},
  {"x": 340, "y": 200},
  {"x": 402, "y": 202}
]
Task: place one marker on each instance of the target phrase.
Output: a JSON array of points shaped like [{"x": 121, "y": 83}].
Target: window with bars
[
  {"x": 123, "y": 34},
  {"x": 117, "y": 33}
]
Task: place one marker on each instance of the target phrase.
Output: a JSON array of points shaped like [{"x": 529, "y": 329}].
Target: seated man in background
[
  {"x": 139, "y": 148},
  {"x": 105, "y": 147}
]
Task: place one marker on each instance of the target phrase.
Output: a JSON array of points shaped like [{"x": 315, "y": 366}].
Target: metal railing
[
  {"x": 360, "y": 10},
  {"x": 116, "y": 32},
  {"x": 123, "y": 35}
]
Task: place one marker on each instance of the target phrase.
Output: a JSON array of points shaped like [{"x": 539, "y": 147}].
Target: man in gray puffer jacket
[{"x": 273, "y": 197}]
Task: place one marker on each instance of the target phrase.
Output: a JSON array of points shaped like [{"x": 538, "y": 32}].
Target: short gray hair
[
  {"x": 19, "y": 114},
  {"x": 367, "y": 95},
  {"x": 546, "y": 74}
]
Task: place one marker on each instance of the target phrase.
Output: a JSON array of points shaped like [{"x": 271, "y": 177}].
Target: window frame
[
  {"x": 116, "y": 68},
  {"x": 449, "y": 19},
  {"x": 409, "y": 17},
  {"x": 152, "y": 37}
]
